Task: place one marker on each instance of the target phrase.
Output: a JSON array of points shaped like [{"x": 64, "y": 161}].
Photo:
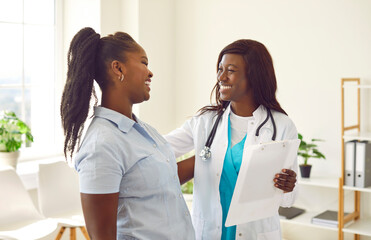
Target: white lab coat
[{"x": 207, "y": 210}]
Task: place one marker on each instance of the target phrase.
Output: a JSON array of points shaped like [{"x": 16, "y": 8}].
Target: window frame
[{"x": 55, "y": 149}]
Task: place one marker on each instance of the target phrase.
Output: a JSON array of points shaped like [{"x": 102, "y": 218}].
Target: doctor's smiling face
[{"x": 233, "y": 84}]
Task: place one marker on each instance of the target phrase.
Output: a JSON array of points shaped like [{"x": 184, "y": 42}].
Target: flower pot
[
  {"x": 305, "y": 170},
  {"x": 9, "y": 159}
]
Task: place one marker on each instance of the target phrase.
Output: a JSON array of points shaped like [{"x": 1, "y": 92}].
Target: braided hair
[{"x": 89, "y": 58}]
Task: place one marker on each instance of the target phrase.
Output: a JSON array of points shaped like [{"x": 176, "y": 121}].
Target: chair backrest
[
  {"x": 58, "y": 189},
  {"x": 16, "y": 205}
]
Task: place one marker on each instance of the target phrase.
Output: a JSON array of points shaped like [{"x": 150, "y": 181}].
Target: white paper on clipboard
[{"x": 255, "y": 196}]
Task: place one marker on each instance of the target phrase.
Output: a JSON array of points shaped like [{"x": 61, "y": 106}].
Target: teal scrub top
[{"x": 231, "y": 168}]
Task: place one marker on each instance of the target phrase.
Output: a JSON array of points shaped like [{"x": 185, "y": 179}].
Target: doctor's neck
[{"x": 243, "y": 108}]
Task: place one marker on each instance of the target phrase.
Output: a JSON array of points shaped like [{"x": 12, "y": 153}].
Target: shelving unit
[
  {"x": 330, "y": 182},
  {"x": 352, "y": 223},
  {"x": 305, "y": 219}
]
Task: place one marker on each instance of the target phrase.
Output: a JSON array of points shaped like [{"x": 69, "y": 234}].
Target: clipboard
[{"x": 255, "y": 196}]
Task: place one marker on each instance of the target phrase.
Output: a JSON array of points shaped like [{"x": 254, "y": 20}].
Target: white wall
[
  {"x": 156, "y": 35},
  {"x": 313, "y": 44}
]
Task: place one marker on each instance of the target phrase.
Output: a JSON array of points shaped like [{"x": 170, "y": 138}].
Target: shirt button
[
  {"x": 217, "y": 174},
  {"x": 252, "y": 123},
  {"x": 154, "y": 145},
  {"x": 168, "y": 160},
  {"x": 174, "y": 177},
  {"x": 218, "y": 227},
  {"x": 240, "y": 234},
  {"x": 180, "y": 195}
]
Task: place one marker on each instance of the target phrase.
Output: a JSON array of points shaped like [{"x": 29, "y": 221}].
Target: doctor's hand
[{"x": 285, "y": 180}]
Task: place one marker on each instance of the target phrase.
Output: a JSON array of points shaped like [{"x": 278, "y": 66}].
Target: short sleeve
[{"x": 100, "y": 170}]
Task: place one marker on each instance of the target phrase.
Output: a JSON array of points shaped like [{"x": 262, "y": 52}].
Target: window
[{"x": 27, "y": 59}]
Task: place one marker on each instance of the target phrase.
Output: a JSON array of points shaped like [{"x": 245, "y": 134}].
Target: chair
[
  {"x": 19, "y": 218},
  {"x": 59, "y": 197}
]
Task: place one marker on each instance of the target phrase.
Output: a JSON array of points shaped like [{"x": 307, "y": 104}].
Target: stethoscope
[{"x": 205, "y": 153}]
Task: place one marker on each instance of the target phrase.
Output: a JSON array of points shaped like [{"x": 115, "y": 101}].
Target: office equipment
[
  {"x": 289, "y": 213},
  {"x": 255, "y": 196},
  {"x": 350, "y": 156},
  {"x": 363, "y": 164},
  {"x": 327, "y": 218}
]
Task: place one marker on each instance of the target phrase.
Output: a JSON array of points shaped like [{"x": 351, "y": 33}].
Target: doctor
[{"x": 246, "y": 113}]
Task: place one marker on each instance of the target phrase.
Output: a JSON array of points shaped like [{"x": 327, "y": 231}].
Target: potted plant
[
  {"x": 13, "y": 133},
  {"x": 306, "y": 151}
]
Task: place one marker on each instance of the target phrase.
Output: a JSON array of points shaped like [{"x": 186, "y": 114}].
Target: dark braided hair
[
  {"x": 89, "y": 58},
  {"x": 259, "y": 73}
]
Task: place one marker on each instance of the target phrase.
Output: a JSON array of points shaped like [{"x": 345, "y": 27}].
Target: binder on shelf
[
  {"x": 289, "y": 213},
  {"x": 327, "y": 218},
  {"x": 350, "y": 161},
  {"x": 363, "y": 164}
]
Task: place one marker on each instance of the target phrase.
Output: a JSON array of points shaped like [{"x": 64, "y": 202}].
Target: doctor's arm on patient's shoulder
[{"x": 186, "y": 169}]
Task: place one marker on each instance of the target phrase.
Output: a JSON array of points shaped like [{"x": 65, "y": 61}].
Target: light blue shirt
[{"x": 132, "y": 158}]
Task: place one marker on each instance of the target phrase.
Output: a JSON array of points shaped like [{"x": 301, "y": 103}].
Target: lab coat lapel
[
  {"x": 220, "y": 144},
  {"x": 266, "y": 131}
]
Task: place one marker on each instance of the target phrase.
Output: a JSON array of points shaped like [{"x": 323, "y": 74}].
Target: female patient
[
  {"x": 128, "y": 173},
  {"x": 249, "y": 112}
]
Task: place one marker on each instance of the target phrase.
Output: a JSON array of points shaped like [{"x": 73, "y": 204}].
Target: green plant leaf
[
  {"x": 309, "y": 150},
  {"x": 319, "y": 154},
  {"x": 305, "y": 155},
  {"x": 302, "y": 145},
  {"x": 11, "y": 131},
  {"x": 317, "y": 140},
  {"x": 300, "y": 136},
  {"x": 311, "y": 146}
]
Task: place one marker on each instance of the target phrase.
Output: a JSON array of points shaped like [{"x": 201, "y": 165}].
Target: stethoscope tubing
[{"x": 205, "y": 153}]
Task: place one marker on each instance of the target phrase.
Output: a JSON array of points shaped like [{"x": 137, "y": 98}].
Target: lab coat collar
[{"x": 259, "y": 116}]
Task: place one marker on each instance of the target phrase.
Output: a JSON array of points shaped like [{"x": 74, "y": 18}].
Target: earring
[{"x": 121, "y": 77}]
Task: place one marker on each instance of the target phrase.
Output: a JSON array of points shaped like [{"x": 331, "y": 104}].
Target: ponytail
[
  {"x": 79, "y": 86},
  {"x": 89, "y": 58}
]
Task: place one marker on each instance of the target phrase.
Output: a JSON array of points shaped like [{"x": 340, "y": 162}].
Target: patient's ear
[{"x": 118, "y": 68}]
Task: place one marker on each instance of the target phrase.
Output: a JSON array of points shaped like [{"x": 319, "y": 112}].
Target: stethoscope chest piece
[{"x": 205, "y": 153}]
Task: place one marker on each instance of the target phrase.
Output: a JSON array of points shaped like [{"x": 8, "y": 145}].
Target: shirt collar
[
  {"x": 259, "y": 115},
  {"x": 123, "y": 122}
]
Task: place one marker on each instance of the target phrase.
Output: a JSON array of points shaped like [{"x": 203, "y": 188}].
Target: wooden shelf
[
  {"x": 361, "y": 226},
  {"x": 305, "y": 220},
  {"x": 368, "y": 189},
  {"x": 352, "y": 85},
  {"x": 329, "y": 182},
  {"x": 361, "y": 136}
]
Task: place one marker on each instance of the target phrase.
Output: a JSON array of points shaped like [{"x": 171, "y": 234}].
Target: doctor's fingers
[
  {"x": 285, "y": 186},
  {"x": 285, "y": 177},
  {"x": 289, "y": 172}
]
